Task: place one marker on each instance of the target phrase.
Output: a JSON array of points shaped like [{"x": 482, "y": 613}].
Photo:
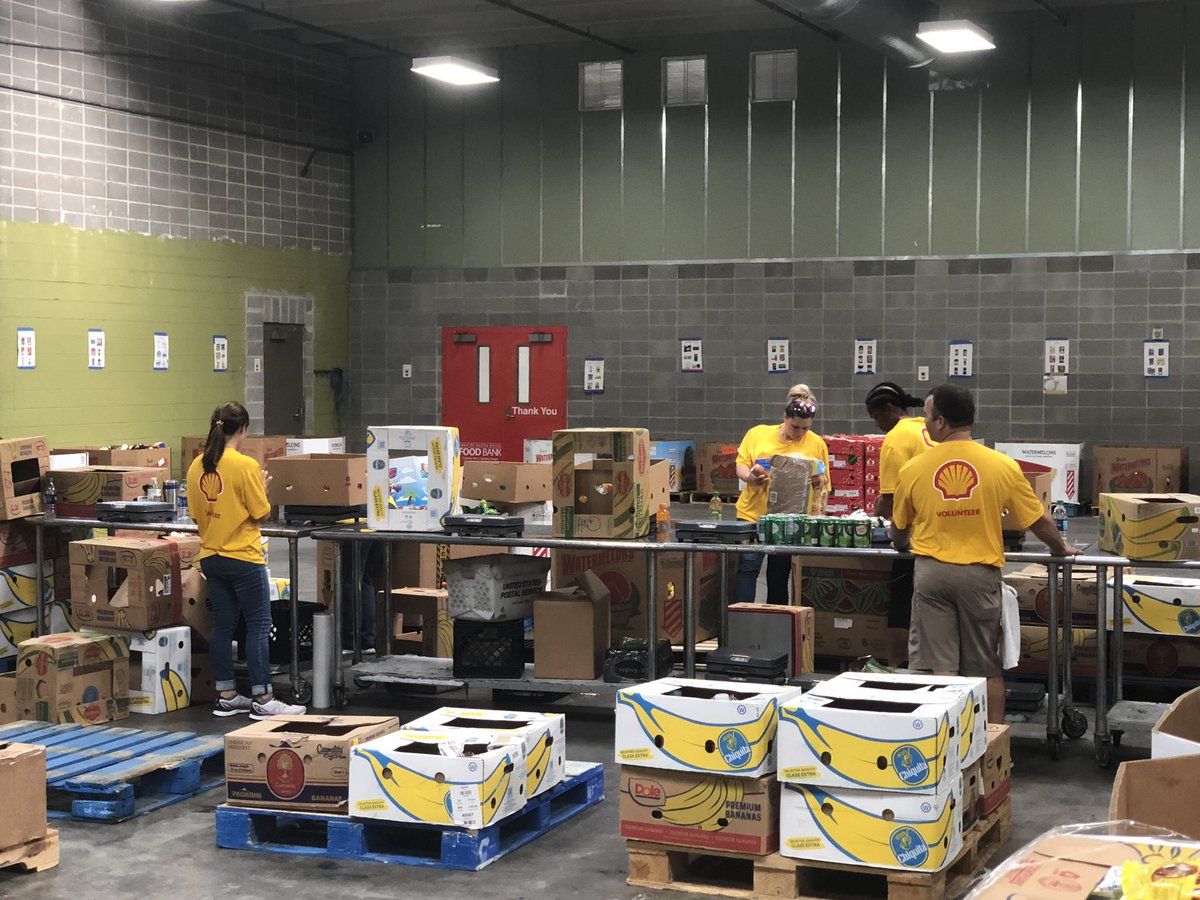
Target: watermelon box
[
  {"x": 843, "y": 585},
  {"x": 1128, "y": 469}
]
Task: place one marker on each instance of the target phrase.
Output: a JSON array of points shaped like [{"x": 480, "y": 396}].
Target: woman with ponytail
[{"x": 227, "y": 494}]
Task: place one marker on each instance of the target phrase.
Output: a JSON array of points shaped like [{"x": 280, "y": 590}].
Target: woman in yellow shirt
[
  {"x": 227, "y": 496},
  {"x": 792, "y": 437}
]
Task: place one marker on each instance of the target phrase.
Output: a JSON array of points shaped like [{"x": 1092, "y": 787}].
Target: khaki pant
[{"x": 956, "y": 619}]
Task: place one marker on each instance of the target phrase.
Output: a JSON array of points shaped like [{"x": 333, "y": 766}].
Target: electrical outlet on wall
[
  {"x": 922, "y": 373},
  {"x": 1156, "y": 334},
  {"x": 406, "y": 371},
  {"x": 258, "y": 364}
]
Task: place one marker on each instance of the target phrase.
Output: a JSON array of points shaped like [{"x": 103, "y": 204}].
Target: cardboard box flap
[
  {"x": 1182, "y": 718},
  {"x": 1032, "y": 468},
  {"x": 1158, "y": 792}
]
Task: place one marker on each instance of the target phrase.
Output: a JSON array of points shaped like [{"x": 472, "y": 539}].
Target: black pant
[
  {"x": 900, "y": 606},
  {"x": 370, "y": 554}
]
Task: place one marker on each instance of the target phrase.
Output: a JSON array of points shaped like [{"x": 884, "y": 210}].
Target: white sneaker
[
  {"x": 275, "y": 707},
  {"x": 231, "y": 706}
]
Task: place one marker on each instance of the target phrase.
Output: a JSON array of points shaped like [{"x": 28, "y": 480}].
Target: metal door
[
  {"x": 283, "y": 379},
  {"x": 501, "y": 386}
]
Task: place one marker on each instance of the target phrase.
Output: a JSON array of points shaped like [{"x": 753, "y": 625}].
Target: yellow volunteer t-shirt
[
  {"x": 227, "y": 505},
  {"x": 908, "y": 438},
  {"x": 763, "y": 442},
  {"x": 953, "y": 496}
]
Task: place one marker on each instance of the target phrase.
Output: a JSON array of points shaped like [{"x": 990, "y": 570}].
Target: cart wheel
[
  {"x": 302, "y": 692},
  {"x": 1054, "y": 746},
  {"x": 1074, "y": 723},
  {"x": 1104, "y": 753},
  {"x": 1116, "y": 737}
]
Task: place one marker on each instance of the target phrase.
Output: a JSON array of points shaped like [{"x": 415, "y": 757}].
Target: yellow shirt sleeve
[
  {"x": 1023, "y": 504},
  {"x": 902, "y": 505},
  {"x": 745, "y": 454},
  {"x": 254, "y": 494}
]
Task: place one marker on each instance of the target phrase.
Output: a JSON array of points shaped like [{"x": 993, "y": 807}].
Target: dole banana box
[
  {"x": 414, "y": 477},
  {"x": 868, "y": 740},
  {"x": 463, "y": 778},
  {"x": 700, "y": 726},
  {"x": 871, "y": 828},
  {"x": 1150, "y": 526},
  {"x": 1153, "y": 605},
  {"x": 544, "y": 736},
  {"x": 969, "y": 732},
  {"x": 297, "y": 762}
]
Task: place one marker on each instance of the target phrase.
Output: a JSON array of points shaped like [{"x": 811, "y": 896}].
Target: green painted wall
[
  {"x": 862, "y": 164},
  {"x": 62, "y": 281}
]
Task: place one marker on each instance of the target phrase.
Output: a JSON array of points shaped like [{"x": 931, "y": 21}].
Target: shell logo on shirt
[
  {"x": 211, "y": 486},
  {"x": 956, "y": 480},
  {"x": 926, "y": 439}
]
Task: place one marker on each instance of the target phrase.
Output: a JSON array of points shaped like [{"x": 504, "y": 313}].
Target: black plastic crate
[
  {"x": 489, "y": 649},
  {"x": 280, "y": 642}
]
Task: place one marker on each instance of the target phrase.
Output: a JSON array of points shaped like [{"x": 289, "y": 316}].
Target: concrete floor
[{"x": 171, "y": 852}]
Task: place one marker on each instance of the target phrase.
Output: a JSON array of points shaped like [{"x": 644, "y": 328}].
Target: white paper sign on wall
[
  {"x": 220, "y": 353},
  {"x": 95, "y": 346},
  {"x": 593, "y": 375},
  {"x": 1158, "y": 359},
  {"x": 778, "y": 350},
  {"x": 26, "y": 348},
  {"x": 691, "y": 355},
  {"x": 864, "y": 356},
  {"x": 162, "y": 351},
  {"x": 1058, "y": 356},
  {"x": 961, "y": 359}
]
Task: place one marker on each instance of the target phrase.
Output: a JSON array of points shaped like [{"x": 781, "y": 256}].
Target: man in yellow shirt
[{"x": 947, "y": 509}]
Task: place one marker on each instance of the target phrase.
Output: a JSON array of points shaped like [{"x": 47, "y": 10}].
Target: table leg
[
  {"x": 689, "y": 614},
  {"x": 356, "y": 611},
  {"x": 39, "y": 540},
  {"x": 1053, "y": 732},
  {"x": 1100, "y": 729},
  {"x": 652, "y": 618},
  {"x": 724, "y": 595},
  {"x": 294, "y": 608}
]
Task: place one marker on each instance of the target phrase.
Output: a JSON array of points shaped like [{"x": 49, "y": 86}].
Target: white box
[
  {"x": 970, "y": 731},
  {"x": 700, "y": 726},
  {"x": 539, "y": 451},
  {"x": 1062, "y": 458},
  {"x": 163, "y": 681},
  {"x": 299, "y": 445},
  {"x": 870, "y": 742},
  {"x": 1177, "y": 732},
  {"x": 544, "y": 734},
  {"x": 497, "y": 586},
  {"x": 68, "y": 461},
  {"x": 871, "y": 828},
  {"x": 414, "y": 475},
  {"x": 404, "y": 777},
  {"x": 1154, "y": 605}
]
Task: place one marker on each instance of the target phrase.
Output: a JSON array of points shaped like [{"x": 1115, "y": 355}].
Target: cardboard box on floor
[
  {"x": 571, "y": 629},
  {"x": 1128, "y": 469},
  {"x": 261, "y": 448},
  {"x": 77, "y": 491},
  {"x": 79, "y": 677},
  {"x": 150, "y": 591},
  {"x": 997, "y": 768},
  {"x": 147, "y": 458},
  {"x": 318, "y": 479},
  {"x": 1177, "y": 731},
  {"x": 422, "y": 624},
  {"x": 716, "y": 469},
  {"x": 160, "y": 671},
  {"x": 1158, "y": 792},
  {"x": 1041, "y": 479},
  {"x": 1031, "y": 585},
  {"x": 23, "y": 463},
  {"x": 1158, "y": 527},
  {"x": 506, "y": 482},
  {"x": 23, "y": 787},
  {"x": 196, "y": 607},
  {"x": 1034, "y": 644},
  {"x": 858, "y": 635},
  {"x": 204, "y": 687},
  {"x": 609, "y": 499}
]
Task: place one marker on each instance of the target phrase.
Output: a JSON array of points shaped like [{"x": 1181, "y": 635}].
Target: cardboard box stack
[
  {"x": 571, "y": 629},
  {"x": 861, "y": 752},
  {"x": 24, "y": 462},
  {"x": 489, "y": 598},
  {"x": 128, "y": 455},
  {"x": 850, "y": 598},
  {"x": 515, "y": 489},
  {"x": 853, "y": 473},
  {"x": 698, "y": 762},
  {"x": 78, "y": 677},
  {"x": 18, "y": 585}
]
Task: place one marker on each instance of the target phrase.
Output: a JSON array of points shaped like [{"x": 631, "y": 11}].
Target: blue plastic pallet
[
  {"x": 407, "y": 844},
  {"x": 103, "y": 773}
]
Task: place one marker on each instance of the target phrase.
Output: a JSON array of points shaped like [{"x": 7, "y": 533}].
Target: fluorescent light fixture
[
  {"x": 453, "y": 70},
  {"x": 955, "y": 36}
]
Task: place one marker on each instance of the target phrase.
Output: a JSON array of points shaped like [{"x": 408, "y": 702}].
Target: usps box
[
  {"x": 414, "y": 475},
  {"x": 544, "y": 734},
  {"x": 499, "y": 586},
  {"x": 1062, "y": 458},
  {"x": 298, "y": 446},
  {"x": 467, "y": 779},
  {"x": 160, "y": 671},
  {"x": 1153, "y": 605},
  {"x": 1150, "y": 526},
  {"x": 840, "y": 741},
  {"x": 700, "y": 726},
  {"x": 873, "y": 828}
]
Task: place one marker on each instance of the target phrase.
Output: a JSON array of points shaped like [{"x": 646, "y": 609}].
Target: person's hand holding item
[
  {"x": 267, "y": 476},
  {"x": 758, "y": 476}
]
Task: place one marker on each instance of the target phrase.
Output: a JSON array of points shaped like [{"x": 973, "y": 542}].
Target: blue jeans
[
  {"x": 236, "y": 587},
  {"x": 779, "y": 568}
]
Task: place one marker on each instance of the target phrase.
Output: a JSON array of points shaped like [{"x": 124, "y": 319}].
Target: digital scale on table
[
  {"x": 716, "y": 531},
  {"x": 323, "y": 515},
  {"x": 484, "y": 526},
  {"x": 134, "y": 511}
]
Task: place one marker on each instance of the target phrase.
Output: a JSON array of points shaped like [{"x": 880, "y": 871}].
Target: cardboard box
[
  {"x": 160, "y": 671},
  {"x": 624, "y": 574},
  {"x": 403, "y": 777},
  {"x": 609, "y": 498},
  {"x": 297, "y": 762},
  {"x": 499, "y": 586},
  {"x": 997, "y": 768},
  {"x": 77, "y": 491},
  {"x": 133, "y": 584},
  {"x": 1031, "y": 585},
  {"x": 860, "y": 827},
  {"x": 734, "y": 814},
  {"x": 1162, "y": 656},
  {"x": 544, "y": 736},
  {"x": 1126, "y": 469},
  {"x": 972, "y": 800},
  {"x": 716, "y": 469},
  {"x": 260, "y": 448},
  {"x": 318, "y": 479},
  {"x": 1177, "y": 732},
  {"x": 1041, "y": 480},
  {"x": 539, "y": 451},
  {"x": 1150, "y": 526},
  {"x": 9, "y": 708},
  {"x": 412, "y": 565},
  {"x": 1158, "y": 792},
  {"x": 422, "y": 624},
  {"x": 571, "y": 630},
  {"x": 204, "y": 686},
  {"x": 843, "y": 585},
  {"x": 1034, "y": 646},
  {"x": 789, "y": 485},
  {"x": 80, "y": 678},
  {"x": 414, "y": 475},
  {"x": 69, "y": 461},
  {"x": 681, "y": 463},
  {"x": 20, "y": 626},
  {"x": 296, "y": 446},
  {"x": 678, "y": 723},
  {"x": 660, "y": 487},
  {"x": 1152, "y": 605},
  {"x": 23, "y": 787},
  {"x": 539, "y": 514},
  {"x": 856, "y": 636},
  {"x": 109, "y": 457},
  {"x": 834, "y": 739},
  {"x": 1064, "y": 459},
  {"x": 770, "y": 629},
  {"x": 195, "y": 607},
  {"x": 23, "y": 463},
  {"x": 506, "y": 482}
]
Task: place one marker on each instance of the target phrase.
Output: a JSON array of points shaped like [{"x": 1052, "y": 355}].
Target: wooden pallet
[
  {"x": 34, "y": 856},
  {"x": 740, "y": 875}
]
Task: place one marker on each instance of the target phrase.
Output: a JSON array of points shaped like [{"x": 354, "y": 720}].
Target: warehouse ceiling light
[
  {"x": 453, "y": 70},
  {"x": 955, "y": 36}
]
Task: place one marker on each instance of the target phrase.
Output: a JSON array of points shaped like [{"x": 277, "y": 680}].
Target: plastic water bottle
[
  {"x": 181, "y": 504},
  {"x": 1060, "y": 517},
  {"x": 49, "y": 497},
  {"x": 715, "y": 509},
  {"x": 663, "y": 522}
]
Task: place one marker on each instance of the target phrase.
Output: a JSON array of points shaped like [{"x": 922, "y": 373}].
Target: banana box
[
  {"x": 871, "y": 741},
  {"x": 77, "y": 491},
  {"x": 1150, "y": 526},
  {"x": 871, "y": 828},
  {"x": 160, "y": 671},
  {"x": 414, "y": 477},
  {"x": 297, "y": 762},
  {"x": 1153, "y": 605},
  {"x": 74, "y": 677},
  {"x": 970, "y": 731},
  {"x": 722, "y": 727},
  {"x": 463, "y": 778},
  {"x": 18, "y": 586},
  {"x": 21, "y": 626},
  {"x": 544, "y": 736},
  {"x": 131, "y": 584},
  {"x": 692, "y": 809}
]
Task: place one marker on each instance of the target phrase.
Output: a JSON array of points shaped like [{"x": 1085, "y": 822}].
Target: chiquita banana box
[
  {"x": 469, "y": 779},
  {"x": 414, "y": 476},
  {"x": 160, "y": 671},
  {"x": 544, "y": 736},
  {"x": 871, "y": 742},
  {"x": 871, "y": 828},
  {"x": 1150, "y": 526},
  {"x": 700, "y": 726},
  {"x": 970, "y": 731},
  {"x": 1158, "y": 605}
]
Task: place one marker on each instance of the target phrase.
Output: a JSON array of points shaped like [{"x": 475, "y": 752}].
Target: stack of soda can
[{"x": 814, "y": 531}]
